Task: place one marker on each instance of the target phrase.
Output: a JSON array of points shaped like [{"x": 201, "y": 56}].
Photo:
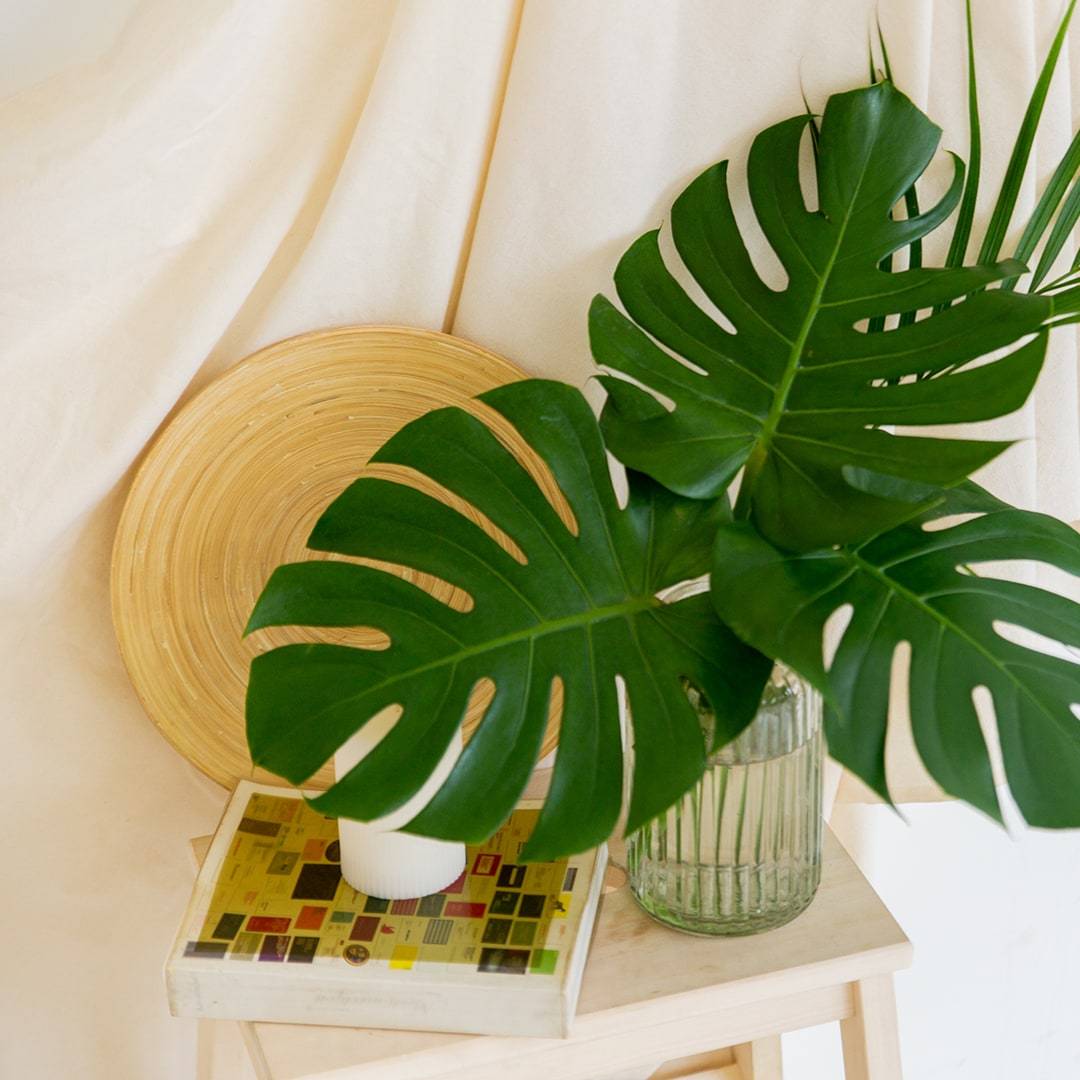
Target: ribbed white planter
[{"x": 378, "y": 860}]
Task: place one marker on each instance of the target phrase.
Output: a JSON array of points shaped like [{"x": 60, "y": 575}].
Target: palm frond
[
  {"x": 1018, "y": 162},
  {"x": 962, "y": 232}
]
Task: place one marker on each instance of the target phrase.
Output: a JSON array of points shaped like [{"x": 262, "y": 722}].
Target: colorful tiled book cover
[{"x": 270, "y": 900}]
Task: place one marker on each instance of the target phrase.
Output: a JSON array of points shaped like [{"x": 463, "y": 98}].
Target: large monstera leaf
[
  {"x": 582, "y": 607},
  {"x": 798, "y": 391},
  {"x": 925, "y": 587}
]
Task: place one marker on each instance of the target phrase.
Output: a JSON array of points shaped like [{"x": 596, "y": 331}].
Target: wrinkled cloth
[{"x": 217, "y": 175}]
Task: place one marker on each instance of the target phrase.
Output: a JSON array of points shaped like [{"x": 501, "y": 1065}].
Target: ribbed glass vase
[{"x": 741, "y": 852}]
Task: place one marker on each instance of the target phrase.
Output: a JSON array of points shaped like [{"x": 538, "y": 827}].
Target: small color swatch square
[
  {"x": 543, "y": 961},
  {"x": 504, "y": 961},
  {"x": 460, "y": 909},
  {"x": 511, "y": 876},
  {"x": 310, "y": 918},
  {"x": 364, "y": 928},
  {"x": 438, "y": 931},
  {"x": 274, "y": 947},
  {"x": 497, "y": 932},
  {"x": 532, "y": 906},
  {"x": 268, "y": 924},
  {"x": 403, "y": 957},
  {"x": 303, "y": 950},
  {"x": 228, "y": 926},
  {"x": 505, "y": 903},
  {"x": 283, "y": 862},
  {"x": 317, "y": 881},
  {"x": 431, "y": 907},
  {"x": 486, "y": 864},
  {"x": 313, "y": 850},
  {"x": 213, "y": 949},
  {"x": 245, "y": 946},
  {"x": 258, "y": 828},
  {"x": 376, "y": 905},
  {"x": 524, "y": 933},
  {"x": 404, "y": 907}
]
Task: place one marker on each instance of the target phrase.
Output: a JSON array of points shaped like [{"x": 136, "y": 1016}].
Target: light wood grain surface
[
  {"x": 652, "y": 995},
  {"x": 231, "y": 489}
]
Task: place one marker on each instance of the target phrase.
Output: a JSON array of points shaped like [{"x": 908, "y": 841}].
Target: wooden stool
[{"x": 660, "y": 1004}]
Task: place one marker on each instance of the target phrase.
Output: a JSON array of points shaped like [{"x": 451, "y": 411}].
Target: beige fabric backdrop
[{"x": 217, "y": 175}]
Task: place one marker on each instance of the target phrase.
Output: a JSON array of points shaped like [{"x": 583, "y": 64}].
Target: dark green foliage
[
  {"x": 582, "y": 608},
  {"x": 791, "y": 391},
  {"x": 798, "y": 394},
  {"x": 916, "y": 586}
]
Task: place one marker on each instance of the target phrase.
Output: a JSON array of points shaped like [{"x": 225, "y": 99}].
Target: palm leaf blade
[
  {"x": 1018, "y": 161},
  {"x": 1059, "y": 234},
  {"x": 962, "y": 231},
  {"x": 1043, "y": 214}
]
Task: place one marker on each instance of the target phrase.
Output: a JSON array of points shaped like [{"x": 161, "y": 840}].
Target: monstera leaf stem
[
  {"x": 998, "y": 227},
  {"x": 760, "y": 454}
]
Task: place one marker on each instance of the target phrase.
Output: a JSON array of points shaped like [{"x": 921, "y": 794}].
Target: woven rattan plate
[{"x": 231, "y": 489}]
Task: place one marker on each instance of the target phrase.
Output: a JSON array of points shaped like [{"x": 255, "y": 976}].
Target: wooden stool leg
[
  {"x": 870, "y": 1037},
  {"x": 760, "y": 1059}
]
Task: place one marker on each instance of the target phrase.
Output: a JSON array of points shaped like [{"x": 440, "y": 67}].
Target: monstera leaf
[
  {"x": 918, "y": 586},
  {"x": 797, "y": 391},
  {"x": 579, "y": 605}
]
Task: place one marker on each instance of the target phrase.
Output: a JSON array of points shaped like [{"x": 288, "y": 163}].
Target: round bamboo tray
[{"x": 231, "y": 489}]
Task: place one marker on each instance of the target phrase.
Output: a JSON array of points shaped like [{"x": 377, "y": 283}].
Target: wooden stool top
[{"x": 647, "y": 989}]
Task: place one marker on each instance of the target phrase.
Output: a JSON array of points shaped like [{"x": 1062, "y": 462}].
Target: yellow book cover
[{"x": 273, "y": 931}]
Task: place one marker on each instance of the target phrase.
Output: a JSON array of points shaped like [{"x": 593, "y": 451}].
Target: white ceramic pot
[{"x": 378, "y": 860}]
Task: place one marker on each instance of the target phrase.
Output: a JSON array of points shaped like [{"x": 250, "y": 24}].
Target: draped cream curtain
[{"x": 208, "y": 177}]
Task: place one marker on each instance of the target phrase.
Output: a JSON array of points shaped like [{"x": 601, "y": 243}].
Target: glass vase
[{"x": 741, "y": 851}]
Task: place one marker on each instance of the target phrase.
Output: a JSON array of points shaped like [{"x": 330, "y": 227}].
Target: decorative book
[{"x": 273, "y": 931}]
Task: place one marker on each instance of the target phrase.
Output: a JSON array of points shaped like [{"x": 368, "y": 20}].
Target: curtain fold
[{"x": 225, "y": 174}]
